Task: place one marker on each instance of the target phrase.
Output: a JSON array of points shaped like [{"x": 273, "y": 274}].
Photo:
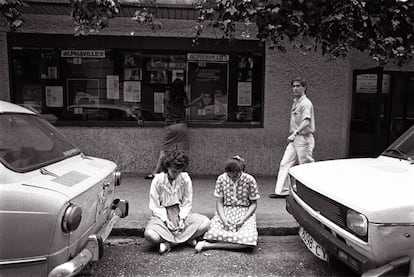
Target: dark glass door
[
  {"x": 402, "y": 111},
  {"x": 382, "y": 109},
  {"x": 370, "y": 113}
]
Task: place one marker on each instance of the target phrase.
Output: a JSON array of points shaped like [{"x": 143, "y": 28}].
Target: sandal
[{"x": 164, "y": 247}]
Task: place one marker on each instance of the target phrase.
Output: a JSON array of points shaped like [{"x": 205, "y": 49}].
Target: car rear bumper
[{"x": 93, "y": 249}]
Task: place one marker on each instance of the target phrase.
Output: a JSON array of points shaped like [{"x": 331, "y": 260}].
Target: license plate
[{"x": 313, "y": 245}]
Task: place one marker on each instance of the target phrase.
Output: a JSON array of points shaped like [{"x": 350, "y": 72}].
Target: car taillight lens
[
  {"x": 118, "y": 177},
  {"x": 357, "y": 222},
  {"x": 71, "y": 218}
]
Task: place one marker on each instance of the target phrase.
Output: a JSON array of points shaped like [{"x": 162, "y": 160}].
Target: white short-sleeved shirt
[{"x": 302, "y": 109}]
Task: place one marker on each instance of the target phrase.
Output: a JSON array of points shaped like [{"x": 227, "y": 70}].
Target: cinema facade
[{"x": 106, "y": 91}]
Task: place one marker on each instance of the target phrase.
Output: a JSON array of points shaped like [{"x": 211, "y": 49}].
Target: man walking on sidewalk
[{"x": 301, "y": 140}]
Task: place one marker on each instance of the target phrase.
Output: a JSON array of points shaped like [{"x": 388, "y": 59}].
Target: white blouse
[{"x": 164, "y": 194}]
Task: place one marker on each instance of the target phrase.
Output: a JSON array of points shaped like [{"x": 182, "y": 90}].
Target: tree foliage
[
  {"x": 91, "y": 16},
  {"x": 384, "y": 28},
  {"x": 9, "y": 9}
]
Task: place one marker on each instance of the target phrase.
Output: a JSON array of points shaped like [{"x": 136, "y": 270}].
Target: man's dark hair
[{"x": 301, "y": 81}]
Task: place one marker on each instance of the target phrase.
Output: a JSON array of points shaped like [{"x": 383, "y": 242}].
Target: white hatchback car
[
  {"x": 57, "y": 205},
  {"x": 359, "y": 211}
]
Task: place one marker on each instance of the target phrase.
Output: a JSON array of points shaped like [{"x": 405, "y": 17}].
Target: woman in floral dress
[
  {"x": 171, "y": 196},
  {"x": 234, "y": 223}
]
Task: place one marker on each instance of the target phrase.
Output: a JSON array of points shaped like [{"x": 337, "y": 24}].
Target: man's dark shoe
[
  {"x": 274, "y": 195},
  {"x": 149, "y": 176}
]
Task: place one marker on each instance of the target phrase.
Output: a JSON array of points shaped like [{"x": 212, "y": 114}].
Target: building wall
[
  {"x": 136, "y": 148},
  {"x": 361, "y": 60}
]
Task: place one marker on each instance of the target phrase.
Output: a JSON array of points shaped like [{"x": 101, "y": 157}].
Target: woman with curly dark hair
[{"x": 171, "y": 196}]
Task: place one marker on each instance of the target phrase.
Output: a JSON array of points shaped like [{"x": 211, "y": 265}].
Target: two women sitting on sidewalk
[{"x": 234, "y": 223}]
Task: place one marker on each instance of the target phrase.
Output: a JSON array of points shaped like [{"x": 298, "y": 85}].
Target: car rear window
[{"x": 28, "y": 142}]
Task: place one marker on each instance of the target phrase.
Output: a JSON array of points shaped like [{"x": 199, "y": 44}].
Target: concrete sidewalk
[{"x": 272, "y": 217}]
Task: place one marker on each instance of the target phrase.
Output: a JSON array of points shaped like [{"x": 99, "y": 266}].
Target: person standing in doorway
[{"x": 300, "y": 141}]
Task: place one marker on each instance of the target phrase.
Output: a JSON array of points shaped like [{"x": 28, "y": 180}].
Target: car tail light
[
  {"x": 118, "y": 177},
  {"x": 71, "y": 218}
]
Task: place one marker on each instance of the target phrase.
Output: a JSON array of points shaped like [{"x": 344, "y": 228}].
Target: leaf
[
  {"x": 232, "y": 10},
  {"x": 17, "y": 23}
]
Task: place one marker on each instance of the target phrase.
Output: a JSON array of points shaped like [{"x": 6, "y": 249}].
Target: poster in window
[
  {"x": 208, "y": 83},
  {"x": 367, "y": 83},
  {"x": 177, "y": 74},
  {"x": 245, "y": 68},
  {"x": 52, "y": 72},
  {"x": 177, "y": 62},
  {"x": 158, "y": 63},
  {"x": 244, "y": 94},
  {"x": 132, "y": 60},
  {"x": 159, "y": 77},
  {"x": 112, "y": 86},
  {"x": 132, "y": 91},
  {"x": 158, "y": 102},
  {"x": 132, "y": 74},
  {"x": 54, "y": 96}
]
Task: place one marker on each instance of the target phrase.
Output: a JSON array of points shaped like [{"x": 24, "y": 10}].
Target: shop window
[{"x": 117, "y": 86}]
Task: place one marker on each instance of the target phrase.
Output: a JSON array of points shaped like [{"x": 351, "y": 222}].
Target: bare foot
[
  {"x": 199, "y": 246},
  {"x": 164, "y": 247}
]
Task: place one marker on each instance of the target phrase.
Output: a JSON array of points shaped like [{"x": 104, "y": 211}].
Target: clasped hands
[
  {"x": 173, "y": 228},
  {"x": 237, "y": 223}
]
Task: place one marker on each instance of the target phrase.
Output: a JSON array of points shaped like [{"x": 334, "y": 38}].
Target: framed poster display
[
  {"x": 367, "y": 83},
  {"x": 159, "y": 102},
  {"x": 54, "y": 96},
  {"x": 132, "y": 91},
  {"x": 112, "y": 87},
  {"x": 244, "y": 94},
  {"x": 208, "y": 86}
]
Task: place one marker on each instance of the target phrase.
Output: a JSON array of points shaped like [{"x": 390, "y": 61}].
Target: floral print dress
[{"x": 237, "y": 198}]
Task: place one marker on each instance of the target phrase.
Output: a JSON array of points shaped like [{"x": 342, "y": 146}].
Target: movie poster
[
  {"x": 132, "y": 91},
  {"x": 208, "y": 85},
  {"x": 54, "y": 96}
]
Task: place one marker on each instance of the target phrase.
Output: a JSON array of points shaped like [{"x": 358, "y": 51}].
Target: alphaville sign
[{"x": 82, "y": 53}]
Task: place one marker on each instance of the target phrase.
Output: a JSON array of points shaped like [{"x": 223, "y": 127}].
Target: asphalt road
[{"x": 274, "y": 256}]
